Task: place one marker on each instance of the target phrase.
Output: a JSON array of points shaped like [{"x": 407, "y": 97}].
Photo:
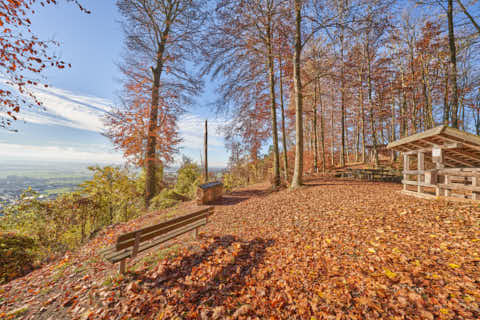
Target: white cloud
[
  {"x": 68, "y": 109},
  {"x": 56, "y": 153},
  {"x": 192, "y": 131}
]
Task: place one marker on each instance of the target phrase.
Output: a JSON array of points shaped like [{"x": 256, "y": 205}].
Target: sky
[{"x": 70, "y": 126}]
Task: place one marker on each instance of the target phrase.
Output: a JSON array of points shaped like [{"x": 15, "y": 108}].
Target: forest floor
[{"x": 333, "y": 249}]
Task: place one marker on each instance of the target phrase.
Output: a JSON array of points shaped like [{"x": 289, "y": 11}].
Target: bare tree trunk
[
  {"x": 322, "y": 132},
  {"x": 315, "y": 131},
  {"x": 343, "y": 115},
  {"x": 151, "y": 157},
  {"x": 297, "y": 180},
  {"x": 205, "y": 152},
  {"x": 333, "y": 137},
  {"x": 150, "y": 179},
  {"x": 357, "y": 140},
  {"x": 273, "y": 107},
  {"x": 446, "y": 104},
  {"x": 453, "y": 64},
  {"x": 284, "y": 134},
  {"x": 372, "y": 109}
]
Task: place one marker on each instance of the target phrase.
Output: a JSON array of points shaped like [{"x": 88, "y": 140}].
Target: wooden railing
[{"x": 451, "y": 182}]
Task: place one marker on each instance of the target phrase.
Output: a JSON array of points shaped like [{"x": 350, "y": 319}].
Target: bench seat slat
[
  {"x": 131, "y": 235},
  {"x": 126, "y": 253},
  {"x": 157, "y": 232}
]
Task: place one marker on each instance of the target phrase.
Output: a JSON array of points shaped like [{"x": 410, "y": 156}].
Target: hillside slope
[{"x": 331, "y": 250}]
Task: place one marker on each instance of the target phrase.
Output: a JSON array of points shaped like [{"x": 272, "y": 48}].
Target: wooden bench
[{"x": 129, "y": 244}]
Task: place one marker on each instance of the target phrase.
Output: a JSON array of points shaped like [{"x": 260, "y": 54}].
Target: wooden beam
[
  {"x": 467, "y": 154},
  {"x": 416, "y": 137},
  {"x": 421, "y": 170},
  {"x": 455, "y": 145},
  {"x": 415, "y": 183},
  {"x": 475, "y": 183},
  {"x": 406, "y": 168}
]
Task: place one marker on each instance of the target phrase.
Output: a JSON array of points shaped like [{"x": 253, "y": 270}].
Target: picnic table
[{"x": 377, "y": 174}]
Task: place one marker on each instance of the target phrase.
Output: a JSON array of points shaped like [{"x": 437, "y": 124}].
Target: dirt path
[{"x": 330, "y": 250}]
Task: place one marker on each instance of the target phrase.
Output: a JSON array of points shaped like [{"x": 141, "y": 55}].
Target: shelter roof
[{"x": 461, "y": 149}]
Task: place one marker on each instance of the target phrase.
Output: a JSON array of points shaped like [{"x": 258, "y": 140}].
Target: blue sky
[{"x": 70, "y": 128}]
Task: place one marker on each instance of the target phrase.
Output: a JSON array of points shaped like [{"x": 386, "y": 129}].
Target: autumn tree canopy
[{"x": 23, "y": 57}]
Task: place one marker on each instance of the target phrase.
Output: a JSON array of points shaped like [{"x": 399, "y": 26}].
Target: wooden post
[
  {"x": 475, "y": 183},
  {"x": 122, "y": 266},
  {"x": 406, "y": 167},
  {"x": 447, "y": 182},
  {"x": 195, "y": 233},
  {"x": 421, "y": 170},
  {"x": 135, "y": 246},
  {"x": 205, "y": 151}
]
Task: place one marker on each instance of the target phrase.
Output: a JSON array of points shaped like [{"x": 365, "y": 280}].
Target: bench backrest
[{"x": 134, "y": 238}]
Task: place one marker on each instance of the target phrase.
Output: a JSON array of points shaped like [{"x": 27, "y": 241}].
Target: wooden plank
[
  {"x": 157, "y": 232},
  {"x": 136, "y": 244},
  {"x": 418, "y": 195},
  {"x": 122, "y": 266},
  {"x": 458, "y": 186},
  {"x": 131, "y": 235},
  {"x": 475, "y": 183},
  {"x": 415, "y": 183},
  {"x": 463, "y": 136},
  {"x": 127, "y": 253},
  {"x": 454, "y": 172},
  {"x": 421, "y": 170},
  {"x": 406, "y": 168}
]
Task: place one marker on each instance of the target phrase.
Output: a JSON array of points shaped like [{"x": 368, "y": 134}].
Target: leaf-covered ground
[{"x": 330, "y": 250}]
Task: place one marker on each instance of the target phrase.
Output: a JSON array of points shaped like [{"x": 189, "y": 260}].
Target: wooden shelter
[{"x": 448, "y": 163}]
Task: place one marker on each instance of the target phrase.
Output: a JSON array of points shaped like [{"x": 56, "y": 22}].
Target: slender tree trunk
[
  {"x": 273, "y": 107},
  {"x": 297, "y": 180},
  {"x": 151, "y": 156},
  {"x": 362, "y": 115},
  {"x": 152, "y": 141},
  {"x": 205, "y": 152},
  {"x": 403, "y": 109},
  {"x": 322, "y": 132},
  {"x": 342, "y": 90},
  {"x": 393, "y": 135},
  {"x": 357, "y": 140},
  {"x": 333, "y": 137},
  {"x": 453, "y": 64},
  {"x": 372, "y": 109},
  {"x": 315, "y": 133},
  {"x": 284, "y": 134},
  {"x": 446, "y": 103}
]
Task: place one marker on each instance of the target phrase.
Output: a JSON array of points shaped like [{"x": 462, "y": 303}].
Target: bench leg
[
  {"x": 122, "y": 266},
  {"x": 195, "y": 233}
]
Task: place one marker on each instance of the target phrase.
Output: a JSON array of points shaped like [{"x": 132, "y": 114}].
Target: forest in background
[{"x": 305, "y": 86}]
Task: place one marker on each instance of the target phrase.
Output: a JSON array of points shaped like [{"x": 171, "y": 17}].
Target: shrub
[
  {"x": 167, "y": 198},
  {"x": 17, "y": 255},
  {"x": 189, "y": 177}
]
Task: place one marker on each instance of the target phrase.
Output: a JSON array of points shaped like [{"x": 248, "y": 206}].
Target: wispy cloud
[
  {"x": 67, "y": 109},
  {"x": 83, "y": 112},
  {"x": 192, "y": 131},
  {"x": 30, "y": 152}
]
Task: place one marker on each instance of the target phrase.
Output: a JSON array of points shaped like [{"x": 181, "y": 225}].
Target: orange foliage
[
  {"x": 128, "y": 126},
  {"x": 22, "y": 55}
]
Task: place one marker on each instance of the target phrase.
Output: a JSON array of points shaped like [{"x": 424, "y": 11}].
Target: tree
[
  {"x": 297, "y": 179},
  {"x": 23, "y": 57},
  {"x": 128, "y": 129},
  {"x": 251, "y": 27},
  {"x": 161, "y": 35}
]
